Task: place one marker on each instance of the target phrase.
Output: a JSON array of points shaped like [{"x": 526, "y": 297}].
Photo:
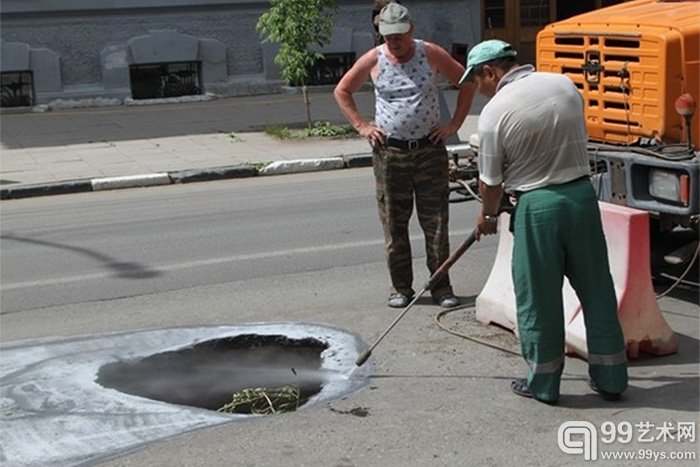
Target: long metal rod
[{"x": 464, "y": 246}]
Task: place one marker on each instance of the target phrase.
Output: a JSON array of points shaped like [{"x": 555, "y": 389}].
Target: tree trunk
[{"x": 307, "y": 103}]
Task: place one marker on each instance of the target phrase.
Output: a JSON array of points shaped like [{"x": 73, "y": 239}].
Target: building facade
[{"x": 141, "y": 49}]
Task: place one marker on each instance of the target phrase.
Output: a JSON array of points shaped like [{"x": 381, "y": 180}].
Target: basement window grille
[
  {"x": 331, "y": 68},
  {"x": 17, "y": 89},
  {"x": 158, "y": 80}
]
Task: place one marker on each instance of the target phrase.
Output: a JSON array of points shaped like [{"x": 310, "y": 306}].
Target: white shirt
[{"x": 532, "y": 133}]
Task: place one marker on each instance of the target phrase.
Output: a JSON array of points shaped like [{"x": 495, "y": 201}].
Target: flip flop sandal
[
  {"x": 519, "y": 387},
  {"x": 608, "y": 396}
]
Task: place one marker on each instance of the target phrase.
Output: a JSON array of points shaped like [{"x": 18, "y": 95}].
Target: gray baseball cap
[{"x": 394, "y": 19}]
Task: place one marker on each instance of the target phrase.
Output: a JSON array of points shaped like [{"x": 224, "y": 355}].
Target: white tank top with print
[{"x": 406, "y": 96}]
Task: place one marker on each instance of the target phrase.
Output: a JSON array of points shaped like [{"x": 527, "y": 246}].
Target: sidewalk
[{"x": 84, "y": 149}]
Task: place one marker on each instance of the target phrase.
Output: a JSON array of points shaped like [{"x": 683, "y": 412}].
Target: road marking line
[{"x": 211, "y": 261}]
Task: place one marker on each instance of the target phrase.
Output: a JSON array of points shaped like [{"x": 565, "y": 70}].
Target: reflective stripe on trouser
[
  {"x": 557, "y": 233},
  {"x": 401, "y": 175}
]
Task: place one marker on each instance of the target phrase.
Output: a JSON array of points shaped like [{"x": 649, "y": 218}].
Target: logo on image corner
[{"x": 578, "y": 437}]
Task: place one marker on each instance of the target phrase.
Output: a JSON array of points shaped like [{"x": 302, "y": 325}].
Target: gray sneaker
[
  {"x": 398, "y": 300},
  {"x": 448, "y": 301}
]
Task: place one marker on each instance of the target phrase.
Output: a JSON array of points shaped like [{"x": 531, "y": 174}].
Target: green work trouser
[
  {"x": 403, "y": 177},
  {"x": 558, "y": 232}
]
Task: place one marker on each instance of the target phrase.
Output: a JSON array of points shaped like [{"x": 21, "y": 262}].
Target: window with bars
[
  {"x": 153, "y": 81},
  {"x": 17, "y": 89},
  {"x": 534, "y": 12},
  {"x": 331, "y": 68}
]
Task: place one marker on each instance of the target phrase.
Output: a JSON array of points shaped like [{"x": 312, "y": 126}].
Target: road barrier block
[{"x": 627, "y": 237}]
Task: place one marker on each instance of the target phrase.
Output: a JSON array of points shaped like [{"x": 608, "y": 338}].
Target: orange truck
[{"x": 636, "y": 65}]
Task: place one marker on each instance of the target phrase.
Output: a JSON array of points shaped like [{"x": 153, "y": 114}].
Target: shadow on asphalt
[
  {"x": 122, "y": 269},
  {"x": 678, "y": 393},
  {"x": 688, "y": 354}
]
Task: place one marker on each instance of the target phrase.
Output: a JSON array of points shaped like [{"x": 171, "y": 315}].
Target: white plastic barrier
[{"x": 627, "y": 237}]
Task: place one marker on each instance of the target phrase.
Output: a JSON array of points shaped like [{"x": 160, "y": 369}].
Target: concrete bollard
[{"x": 627, "y": 238}]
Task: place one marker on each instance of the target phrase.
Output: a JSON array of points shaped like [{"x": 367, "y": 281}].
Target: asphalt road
[
  {"x": 82, "y": 254},
  {"x": 308, "y": 248}
]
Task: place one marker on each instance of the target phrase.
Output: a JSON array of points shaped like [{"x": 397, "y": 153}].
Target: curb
[
  {"x": 186, "y": 176},
  {"x": 216, "y": 173},
  {"x": 55, "y": 188},
  {"x": 306, "y": 165},
  {"x": 112, "y": 183}
]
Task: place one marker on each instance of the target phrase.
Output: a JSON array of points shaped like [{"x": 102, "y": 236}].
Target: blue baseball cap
[{"x": 486, "y": 51}]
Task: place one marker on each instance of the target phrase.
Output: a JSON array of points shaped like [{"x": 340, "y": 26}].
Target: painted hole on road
[
  {"x": 57, "y": 410},
  {"x": 245, "y": 374}
]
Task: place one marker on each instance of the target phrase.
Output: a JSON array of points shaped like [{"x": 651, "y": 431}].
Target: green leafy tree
[{"x": 296, "y": 25}]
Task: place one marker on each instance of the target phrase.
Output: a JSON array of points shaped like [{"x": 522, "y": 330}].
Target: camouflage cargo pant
[{"x": 401, "y": 176}]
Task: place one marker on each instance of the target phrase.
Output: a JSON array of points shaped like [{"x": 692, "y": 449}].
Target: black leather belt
[{"x": 408, "y": 145}]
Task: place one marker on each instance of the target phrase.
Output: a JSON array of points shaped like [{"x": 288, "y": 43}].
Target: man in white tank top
[{"x": 408, "y": 140}]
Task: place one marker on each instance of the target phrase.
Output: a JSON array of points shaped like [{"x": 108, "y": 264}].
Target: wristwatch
[{"x": 490, "y": 219}]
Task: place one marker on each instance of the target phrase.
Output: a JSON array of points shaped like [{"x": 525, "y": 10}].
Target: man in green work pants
[{"x": 532, "y": 145}]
